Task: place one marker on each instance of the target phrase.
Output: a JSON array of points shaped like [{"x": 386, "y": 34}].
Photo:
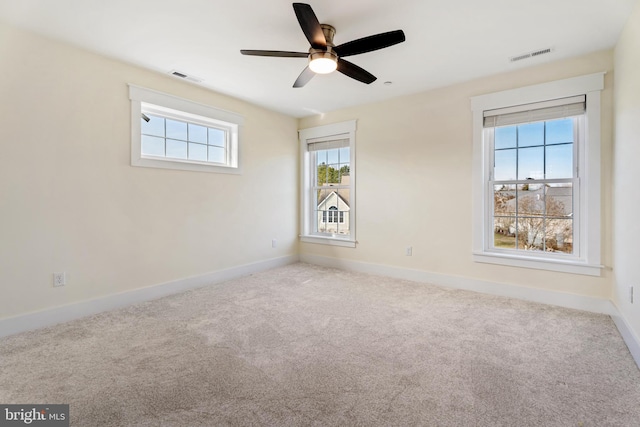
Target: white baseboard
[
  {"x": 579, "y": 302},
  {"x": 65, "y": 313},
  {"x": 52, "y": 316},
  {"x": 632, "y": 341}
]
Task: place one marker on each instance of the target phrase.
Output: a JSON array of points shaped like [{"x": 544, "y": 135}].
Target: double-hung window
[
  {"x": 328, "y": 184},
  {"x": 537, "y": 176},
  {"x": 533, "y": 176},
  {"x": 175, "y": 133}
]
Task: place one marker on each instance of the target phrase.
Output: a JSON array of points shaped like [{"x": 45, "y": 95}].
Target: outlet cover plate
[{"x": 59, "y": 279}]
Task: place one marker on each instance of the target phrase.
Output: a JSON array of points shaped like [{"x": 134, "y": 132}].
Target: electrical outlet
[
  {"x": 409, "y": 251},
  {"x": 59, "y": 279},
  {"x": 274, "y": 243}
]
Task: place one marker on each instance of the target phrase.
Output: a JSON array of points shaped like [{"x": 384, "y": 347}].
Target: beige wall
[
  {"x": 70, "y": 201},
  {"x": 415, "y": 152},
  {"x": 626, "y": 172}
]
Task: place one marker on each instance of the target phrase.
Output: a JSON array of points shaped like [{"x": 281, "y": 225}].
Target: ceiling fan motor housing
[
  {"x": 329, "y": 31},
  {"x": 324, "y": 61}
]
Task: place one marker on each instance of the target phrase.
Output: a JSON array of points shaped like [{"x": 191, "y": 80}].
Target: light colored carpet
[{"x": 306, "y": 345}]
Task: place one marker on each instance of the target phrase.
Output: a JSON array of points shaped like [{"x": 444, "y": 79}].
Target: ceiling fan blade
[
  {"x": 304, "y": 77},
  {"x": 352, "y": 70},
  {"x": 371, "y": 43},
  {"x": 278, "y": 53},
  {"x": 310, "y": 25}
]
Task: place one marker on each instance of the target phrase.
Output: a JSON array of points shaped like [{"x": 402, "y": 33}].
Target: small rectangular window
[
  {"x": 177, "y": 139},
  {"x": 174, "y": 133}
]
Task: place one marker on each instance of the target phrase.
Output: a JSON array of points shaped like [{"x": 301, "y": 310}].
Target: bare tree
[{"x": 540, "y": 223}]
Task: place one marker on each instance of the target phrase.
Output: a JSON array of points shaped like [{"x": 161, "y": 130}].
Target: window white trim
[
  {"x": 316, "y": 136},
  {"x": 169, "y": 105},
  {"x": 589, "y": 255}
]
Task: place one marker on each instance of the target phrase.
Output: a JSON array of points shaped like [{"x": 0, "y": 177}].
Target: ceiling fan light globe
[{"x": 323, "y": 62}]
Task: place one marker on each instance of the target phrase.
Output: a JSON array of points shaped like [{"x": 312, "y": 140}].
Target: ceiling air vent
[
  {"x": 531, "y": 54},
  {"x": 185, "y": 76}
]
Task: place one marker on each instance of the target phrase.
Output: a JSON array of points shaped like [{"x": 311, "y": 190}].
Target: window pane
[
  {"x": 217, "y": 137},
  {"x": 559, "y": 201},
  {"x": 216, "y": 154},
  {"x": 321, "y": 224},
  {"x": 344, "y": 207},
  {"x": 176, "y": 149},
  {"x": 152, "y": 146},
  {"x": 332, "y": 156},
  {"x": 531, "y": 134},
  {"x": 559, "y": 235},
  {"x": 531, "y": 163},
  {"x": 155, "y": 125},
  {"x": 321, "y": 174},
  {"x": 530, "y": 233},
  {"x": 198, "y": 152},
  {"x": 344, "y": 155},
  {"x": 344, "y": 172},
  {"x": 333, "y": 174},
  {"x": 327, "y": 174},
  {"x": 504, "y": 200},
  {"x": 559, "y": 131},
  {"x": 559, "y": 161},
  {"x": 321, "y": 167},
  {"x": 505, "y": 165},
  {"x": 197, "y": 133},
  {"x": 531, "y": 199},
  {"x": 505, "y": 137},
  {"x": 176, "y": 130},
  {"x": 320, "y": 196},
  {"x": 504, "y": 234}
]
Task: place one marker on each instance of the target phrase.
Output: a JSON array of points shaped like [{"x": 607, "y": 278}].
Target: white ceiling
[{"x": 447, "y": 41}]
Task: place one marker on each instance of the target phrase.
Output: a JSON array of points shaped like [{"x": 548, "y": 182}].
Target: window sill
[
  {"x": 333, "y": 241},
  {"x": 564, "y": 266},
  {"x": 186, "y": 165}
]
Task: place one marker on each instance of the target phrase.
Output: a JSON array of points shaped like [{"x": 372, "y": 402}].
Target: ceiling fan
[{"x": 324, "y": 57}]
